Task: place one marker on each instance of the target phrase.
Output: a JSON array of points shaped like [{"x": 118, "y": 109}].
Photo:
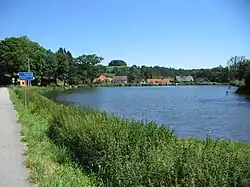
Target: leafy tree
[
  {"x": 134, "y": 75},
  {"x": 101, "y": 69},
  {"x": 117, "y": 63},
  {"x": 236, "y": 66},
  {"x": 15, "y": 54},
  {"x": 63, "y": 65},
  {"x": 247, "y": 76},
  {"x": 88, "y": 69},
  {"x": 50, "y": 67}
]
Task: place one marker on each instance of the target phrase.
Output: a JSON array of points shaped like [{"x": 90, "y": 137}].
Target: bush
[{"x": 123, "y": 152}]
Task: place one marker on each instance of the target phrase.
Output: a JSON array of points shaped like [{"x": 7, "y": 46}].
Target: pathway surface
[{"x": 12, "y": 169}]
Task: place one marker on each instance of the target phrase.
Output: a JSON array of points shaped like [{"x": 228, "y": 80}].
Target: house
[
  {"x": 184, "y": 79},
  {"x": 160, "y": 81},
  {"x": 120, "y": 80},
  {"x": 102, "y": 79}
]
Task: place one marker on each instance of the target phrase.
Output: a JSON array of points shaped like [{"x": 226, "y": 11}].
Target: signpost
[{"x": 27, "y": 76}]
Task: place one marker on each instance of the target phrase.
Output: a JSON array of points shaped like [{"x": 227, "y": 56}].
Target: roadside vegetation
[
  {"x": 120, "y": 152},
  {"x": 49, "y": 165}
]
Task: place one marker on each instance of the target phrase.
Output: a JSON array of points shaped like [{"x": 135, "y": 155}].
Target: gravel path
[{"x": 12, "y": 169}]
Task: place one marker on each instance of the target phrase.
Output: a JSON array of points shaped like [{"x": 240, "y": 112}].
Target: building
[
  {"x": 102, "y": 79},
  {"x": 120, "y": 80},
  {"x": 184, "y": 79},
  {"x": 160, "y": 81}
]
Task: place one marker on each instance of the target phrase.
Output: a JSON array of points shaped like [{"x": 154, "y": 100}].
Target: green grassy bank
[
  {"x": 120, "y": 152},
  {"x": 49, "y": 165}
]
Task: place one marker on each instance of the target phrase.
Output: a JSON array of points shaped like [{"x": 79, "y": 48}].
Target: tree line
[{"x": 17, "y": 54}]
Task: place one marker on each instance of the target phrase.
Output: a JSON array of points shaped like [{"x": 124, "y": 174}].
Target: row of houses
[{"x": 124, "y": 80}]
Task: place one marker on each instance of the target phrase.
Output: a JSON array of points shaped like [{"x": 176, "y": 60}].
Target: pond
[{"x": 188, "y": 110}]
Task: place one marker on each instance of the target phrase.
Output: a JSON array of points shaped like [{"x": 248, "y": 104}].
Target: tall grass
[
  {"x": 49, "y": 165},
  {"x": 123, "y": 152}
]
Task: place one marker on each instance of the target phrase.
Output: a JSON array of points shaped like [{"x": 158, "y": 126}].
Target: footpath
[{"x": 12, "y": 170}]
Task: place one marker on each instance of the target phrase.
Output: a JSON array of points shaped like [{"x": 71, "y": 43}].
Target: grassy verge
[
  {"x": 123, "y": 152},
  {"x": 48, "y": 164}
]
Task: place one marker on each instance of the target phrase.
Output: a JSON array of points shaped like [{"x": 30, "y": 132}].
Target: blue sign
[{"x": 26, "y": 76}]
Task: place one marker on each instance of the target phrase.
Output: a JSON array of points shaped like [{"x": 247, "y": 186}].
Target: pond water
[{"x": 188, "y": 110}]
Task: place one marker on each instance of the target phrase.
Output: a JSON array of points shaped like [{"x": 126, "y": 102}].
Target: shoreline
[{"x": 142, "y": 85}]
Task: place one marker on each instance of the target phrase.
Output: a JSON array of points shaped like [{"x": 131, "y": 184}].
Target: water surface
[{"x": 189, "y": 110}]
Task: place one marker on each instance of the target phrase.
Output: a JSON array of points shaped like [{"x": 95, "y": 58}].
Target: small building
[
  {"x": 120, "y": 80},
  {"x": 102, "y": 79},
  {"x": 184, "y": 79},
  {"x": 160, "y": 81}
]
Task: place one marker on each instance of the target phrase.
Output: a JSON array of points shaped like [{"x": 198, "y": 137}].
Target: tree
[
  {"x": 50, "y": 67},
  {"x": 88, "y": 69},
  {"x": 15, "y": 53},
  {"x": 234, "y": 63},
  {"x": 134, "y": 74},
  {"x": 62, "y": 65},
  {"x": 247, "y": 77},
  {"x": 117, "y": 63},
  {"x": 101, "y": 69}
]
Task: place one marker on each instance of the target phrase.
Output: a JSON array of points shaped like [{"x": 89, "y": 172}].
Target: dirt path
[{"x": 12, "y": 169}]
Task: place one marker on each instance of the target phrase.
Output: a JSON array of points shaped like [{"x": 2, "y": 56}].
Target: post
[
  {"x": 25, "y": 96},
  {"x": 29, "y": 82}
]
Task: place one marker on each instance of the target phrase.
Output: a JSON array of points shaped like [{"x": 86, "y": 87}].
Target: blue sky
[{"x": 171, "y": 33}]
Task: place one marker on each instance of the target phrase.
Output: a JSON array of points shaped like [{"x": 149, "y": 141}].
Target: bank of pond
[
  {"x": 122, "y": 152},
  {"x": 146, "y": 84}
]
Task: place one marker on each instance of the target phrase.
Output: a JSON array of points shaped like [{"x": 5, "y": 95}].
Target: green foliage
[
  {"x": 123, "y": 152},
  {"x": 240, "y": 71},
  {"x": 48, "y": 67},
  {"x": 15, "y": 53},
  {"x": 88, "y": 69},
  {"x": 117, "y": 63},
  {"x": 49, "y": 166}
]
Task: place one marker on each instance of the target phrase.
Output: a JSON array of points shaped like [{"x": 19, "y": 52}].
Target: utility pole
[
  {"x": 26, "y": 94},
  {"x": 29, "y": 82}
]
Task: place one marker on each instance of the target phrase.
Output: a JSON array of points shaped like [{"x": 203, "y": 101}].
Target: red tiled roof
[{"x": 102, "y": 78}]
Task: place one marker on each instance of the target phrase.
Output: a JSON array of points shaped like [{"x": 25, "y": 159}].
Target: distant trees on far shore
[{"x": 17, "y": 53}]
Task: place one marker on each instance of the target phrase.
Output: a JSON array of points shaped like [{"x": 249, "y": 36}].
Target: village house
[
  {"x": 120, "y": 80},
  {"x": 102, "y": 79},
  {"x": 160, "y": 81},
  {"x": 184, "y": 79}
]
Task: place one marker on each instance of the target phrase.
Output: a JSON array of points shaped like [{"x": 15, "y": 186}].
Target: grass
[
  {"x": 121, "y": 152},
  {"x": 48, "y": 164},
  {"x": 110, "y": 69}
]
